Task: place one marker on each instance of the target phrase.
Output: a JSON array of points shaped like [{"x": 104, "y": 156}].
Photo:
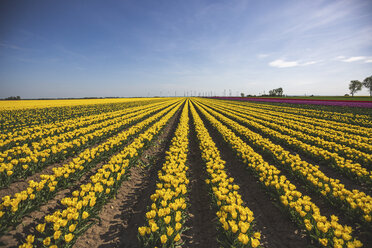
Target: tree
[
  {"x": 276, "y": 92},
  {"x": 242, "y": 94},
  {"x": 279, "y": 91},
  {"x": 354, "y": 86},
  {"x": 368, "y": 84},
  {"x": 13, "y": 98}
]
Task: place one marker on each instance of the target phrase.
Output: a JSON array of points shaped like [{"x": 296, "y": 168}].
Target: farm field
[
  {"x": 322, "y": 102},
  {"x": 184, "y": 172},
  {"x": 337, "y": 98}
]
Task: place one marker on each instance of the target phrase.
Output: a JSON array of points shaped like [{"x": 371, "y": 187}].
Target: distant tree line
[
  {"x": 356, "y": 85},
  {"x": 276, "y": 92},
  {"x": 273, "y": 92},
  {"x": 13, "y": 98},
  {"x": 248, "y": 95}
]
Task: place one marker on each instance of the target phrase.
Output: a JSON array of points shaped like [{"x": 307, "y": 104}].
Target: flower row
[
  {"x": 349, "y": 145},
  {"x": 312, "y": 118},
  {"x": 13, "y": 208},
  {"x": 75, "y": 131},
  {"x": 33, "y": 134},
  {"x": 337, "y": 118},
  {"x": 33, "y": 161},
  {"x": 167, "y": 213},
  {"x": 62, "y": 227},
  {"x": 235, "y": 219},
  {"x": 23, "y": 114},
  {"x": 328, "y": 130},
  {"x": 355, "y": 202},
  {"x": 329, "y": 233},
  {"x": 293, "y": 139}
]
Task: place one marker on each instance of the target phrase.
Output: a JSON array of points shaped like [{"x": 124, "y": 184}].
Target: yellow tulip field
[{"x": 184, "y": 172}]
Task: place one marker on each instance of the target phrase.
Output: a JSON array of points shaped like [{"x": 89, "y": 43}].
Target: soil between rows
[
  {"x": 326, "y": 208},
  {"x": 121, "y": 216},
  {"x": 276, "y": 227},
  {"x": 22, "y": 183},
  {"x": 305, "y": 107},
  {"x": 202, "y": 219},
  {"x": 327, "y": 170},
  {"x": 29, "y": 222}
]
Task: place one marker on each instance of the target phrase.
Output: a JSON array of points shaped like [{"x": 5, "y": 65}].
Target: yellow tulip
[
  {"x": 163, "y": 239},
  {"x": 69, "y": 237}
]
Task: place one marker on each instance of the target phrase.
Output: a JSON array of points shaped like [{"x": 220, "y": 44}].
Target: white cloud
[
  {"x": 339, "y": 57},
  {"x": 283, "y": 64},
  {"x": 279, "y": 63},
  {"x": 353, "y": 59}
]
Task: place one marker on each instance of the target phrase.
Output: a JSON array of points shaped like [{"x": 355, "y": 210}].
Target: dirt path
[
  {"x": 121, "y": 216},
  {"x": 276, "y": 227},
  {"x": 202, "y": 219}
]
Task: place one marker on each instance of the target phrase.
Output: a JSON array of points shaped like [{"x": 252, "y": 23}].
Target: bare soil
[
  {"x": 202, "y": 219},
  {"x": 29, "y": 222},
  {"x": 121, "y": 216},
  {"x": 277, "y": 229},
  {"x": 327, "y": 209},
  {"x": 22, "y": 183},
  {"x": 327, "y": 170}
]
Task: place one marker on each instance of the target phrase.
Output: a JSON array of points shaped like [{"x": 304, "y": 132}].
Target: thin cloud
[
  {"x": 321, "y": 15},
  {"x": 339, "y": 57},
  {"x": 262, "y": 56},
  {"x": 279, "y": 63},
  {"x": 71, "y": 53},
  {"x": 310, "y": 63},
  {"x": 283, "y": 64},
  {"x": 354, "y": 59},
  {"x": 11, "y": 46}
]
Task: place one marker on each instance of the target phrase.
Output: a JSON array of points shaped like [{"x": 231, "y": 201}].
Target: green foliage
[
  {"x": 276, "y": 92},
  {"x": 13, "y": 98},
  {"x": 354, "y": 86},
  {"x": 367, "y": 82}
]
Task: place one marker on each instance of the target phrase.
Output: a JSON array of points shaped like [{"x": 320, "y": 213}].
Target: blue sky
[{"x": 145, "y": 48}]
